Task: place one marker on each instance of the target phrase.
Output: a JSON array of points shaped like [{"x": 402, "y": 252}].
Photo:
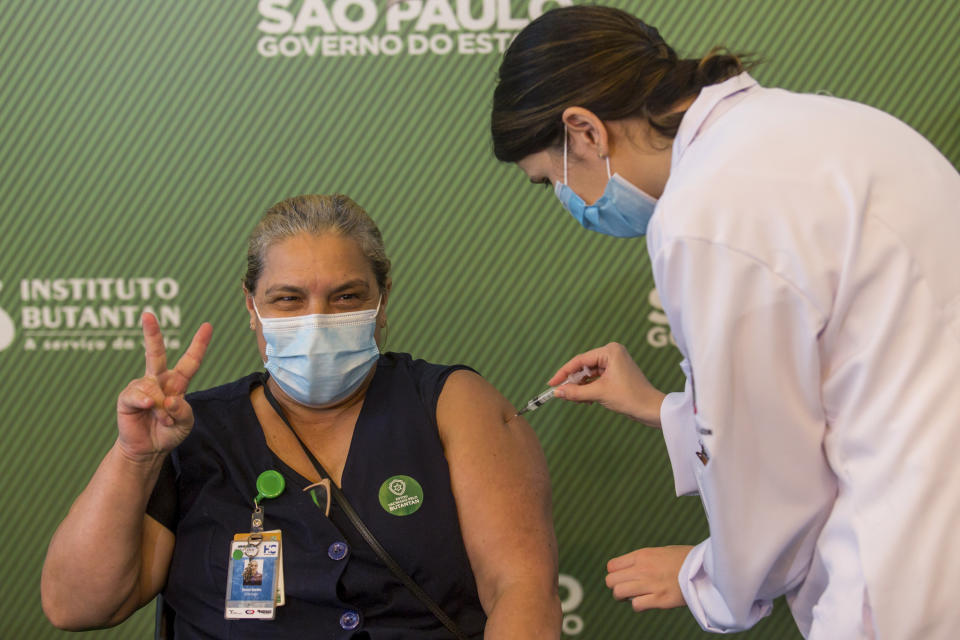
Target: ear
[
  {"x": 588, "y": 134},
  {"x": 248, "y": 300}
]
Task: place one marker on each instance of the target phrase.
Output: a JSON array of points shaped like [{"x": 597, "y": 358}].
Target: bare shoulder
[
  {"x": 469, "y": 398},
  {"x": 480, "y": 434}
]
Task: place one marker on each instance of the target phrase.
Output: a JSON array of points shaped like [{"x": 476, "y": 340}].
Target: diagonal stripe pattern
[{"x": 143, "y": 140}]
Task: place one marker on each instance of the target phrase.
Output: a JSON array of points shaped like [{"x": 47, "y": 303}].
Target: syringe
[{"x": 546, "y": 396}]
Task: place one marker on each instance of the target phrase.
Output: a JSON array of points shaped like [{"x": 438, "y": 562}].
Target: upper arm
[{"x": 499, "y": 478}]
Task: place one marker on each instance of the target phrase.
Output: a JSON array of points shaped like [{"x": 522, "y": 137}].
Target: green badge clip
[{"x": 270, "y": 484}]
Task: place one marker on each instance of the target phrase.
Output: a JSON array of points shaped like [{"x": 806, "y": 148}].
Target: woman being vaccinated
[
  {"x": 341, "y": 493},
  {"x": 805, "y": 251}
]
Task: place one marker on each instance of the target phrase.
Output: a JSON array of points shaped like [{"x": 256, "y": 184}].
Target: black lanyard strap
[{"x": 367, "y": 535}]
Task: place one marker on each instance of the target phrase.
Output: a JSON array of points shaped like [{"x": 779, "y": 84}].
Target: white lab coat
[{"x": 807, "y": 253}]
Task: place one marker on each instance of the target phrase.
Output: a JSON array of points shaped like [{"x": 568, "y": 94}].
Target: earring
[{"x": 253, "y": 327}]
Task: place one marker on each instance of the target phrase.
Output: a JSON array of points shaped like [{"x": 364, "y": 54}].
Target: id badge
[
  {"x": 254, "y": 576},
  {"x": 274, "y": 535}
]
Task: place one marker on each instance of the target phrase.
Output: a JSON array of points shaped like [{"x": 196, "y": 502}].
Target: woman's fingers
[
  {"x": 620, "y": 562},
  {"x": 134, "y": 399},
  {"x": 160, "y": 392},
  {"x": 155, "y": 352},
  {"x": 153, "y": 347},
  {"x": 595, "y": 391},
  {"x": 606, "y": 363},
  {"x": 189, "y": 363},
  {"x": 648, "y": 577},
  {"x": 618, "y": 384},
  {"x": 643, "y": 594},
  {"x": 651, "y": 601},
  {"x": 595, "y": 360},
  {"x": 179, "y": 409},
  {"x": 142, "y": 394},
  {"x": 150, "y": 421},
  {"x": 631, "y": 589}
]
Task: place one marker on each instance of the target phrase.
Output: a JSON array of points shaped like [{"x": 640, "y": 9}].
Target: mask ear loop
[
  {"x": 608, "y": 168},
  {"x": 565, "y": 154},
  {"x": 385, "y": 334}
]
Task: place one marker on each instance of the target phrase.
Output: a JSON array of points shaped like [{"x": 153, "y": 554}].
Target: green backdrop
[{"x": 140, "y": 141}]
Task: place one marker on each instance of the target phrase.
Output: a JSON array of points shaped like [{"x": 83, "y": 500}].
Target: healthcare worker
[{"x": 805, "y": 249}]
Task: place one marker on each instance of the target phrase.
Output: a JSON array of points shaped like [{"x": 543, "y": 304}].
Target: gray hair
[{"x": 316, "y": 214}]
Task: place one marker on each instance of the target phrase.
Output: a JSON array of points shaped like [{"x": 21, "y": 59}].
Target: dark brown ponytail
[{"x": 599, "y": 58}]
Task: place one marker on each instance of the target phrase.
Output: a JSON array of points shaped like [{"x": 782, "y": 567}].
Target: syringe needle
[{"x": 574, "y": 378}]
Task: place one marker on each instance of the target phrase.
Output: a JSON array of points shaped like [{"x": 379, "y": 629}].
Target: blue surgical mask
[
  {"x": 623, "y": 210},
  {"x": 322, "y": 358}
]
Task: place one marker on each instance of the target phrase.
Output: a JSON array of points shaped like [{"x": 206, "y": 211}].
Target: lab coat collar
[{"x": 702, "y": 107}]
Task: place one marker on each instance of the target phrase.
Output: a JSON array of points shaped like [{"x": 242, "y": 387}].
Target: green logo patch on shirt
[{"x": 401, "y": 495}]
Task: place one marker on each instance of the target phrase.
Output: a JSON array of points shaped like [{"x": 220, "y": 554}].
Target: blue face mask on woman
[
  {"x": 321, "y": 358},
  {"x": 623, "y": 210}
]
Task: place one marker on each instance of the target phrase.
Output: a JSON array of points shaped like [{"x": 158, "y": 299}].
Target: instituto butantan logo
[
  {"x": 401, "y": 495},
  {"x": 7, "y": 330},
  {"x": 398, "y": 487},
  {"x": 90, "y": 314},
  {"x": 336, "y": 28}
]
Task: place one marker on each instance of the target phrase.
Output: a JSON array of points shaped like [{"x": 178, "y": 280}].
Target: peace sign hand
[{"x": 152, "y": 416}]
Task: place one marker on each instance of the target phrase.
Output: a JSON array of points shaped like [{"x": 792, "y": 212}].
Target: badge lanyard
[
  {"x": 270, "y": 484},
  {"x": 255, "y": 570},
  {"x": 331, "y": 488}
]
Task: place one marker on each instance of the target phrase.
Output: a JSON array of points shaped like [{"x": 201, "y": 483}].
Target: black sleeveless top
[{"x": 336, "y": 587}]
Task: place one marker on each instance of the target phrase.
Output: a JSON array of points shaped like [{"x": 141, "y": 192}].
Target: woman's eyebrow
[
  {"x": 285, "y": 288},
  {"x": 290, "y": 288},
  {"x": 350, "y": 284}
]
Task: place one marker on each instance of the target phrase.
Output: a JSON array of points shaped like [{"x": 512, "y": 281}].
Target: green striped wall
[{"x": 143, "y": 139}]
